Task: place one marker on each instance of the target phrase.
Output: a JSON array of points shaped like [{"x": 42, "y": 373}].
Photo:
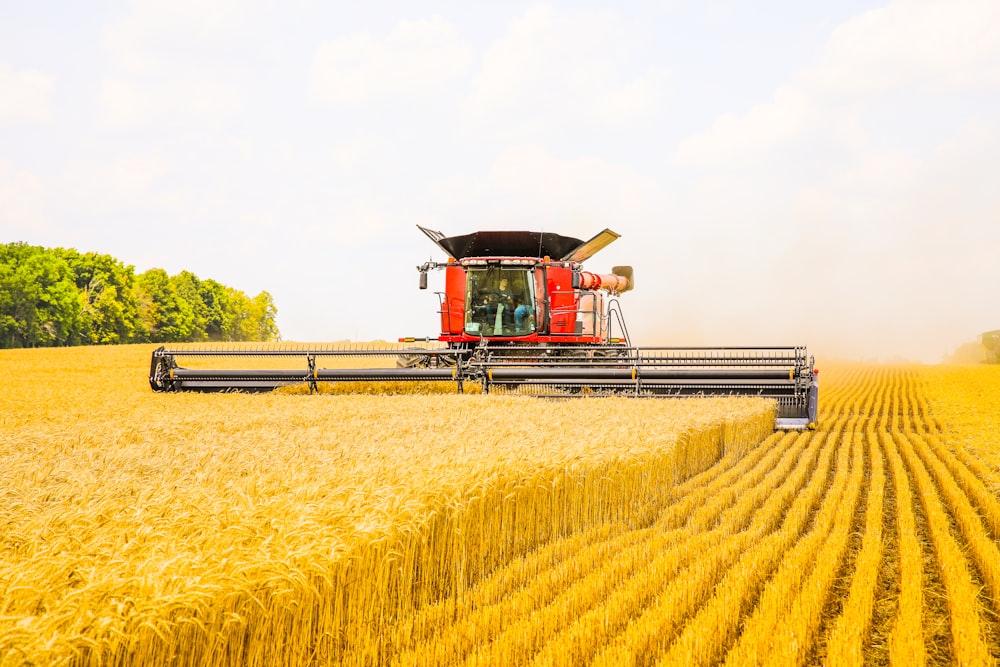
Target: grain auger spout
[{"x": 518, "y": 314}]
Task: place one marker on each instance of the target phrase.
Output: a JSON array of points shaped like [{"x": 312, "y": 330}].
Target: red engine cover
[
  {"x": 562, "y": 298},
  {"x": 453, "y": 306}
]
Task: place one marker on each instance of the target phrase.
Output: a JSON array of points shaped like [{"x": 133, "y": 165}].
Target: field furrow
[
  {"x": 851, "y": 630},
  {"x": 968, "y": 642},
  {"x": 709, "y": 634}
]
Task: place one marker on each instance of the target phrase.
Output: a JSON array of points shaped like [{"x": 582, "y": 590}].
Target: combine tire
[{"x": 412, "y": 361}]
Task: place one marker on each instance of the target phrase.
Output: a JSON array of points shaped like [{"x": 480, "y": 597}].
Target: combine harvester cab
[{"x": 518, "y": 314}]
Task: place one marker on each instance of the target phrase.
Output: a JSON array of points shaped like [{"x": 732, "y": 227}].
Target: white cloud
[
  {"x": 354, "y": 221},
  {"x": 554, "y": 67},
  {"x": 25, "y": 97},
  {"x": 149, "y": 39},
  {"x": 740, "y": 141},
  {"x": 165, "y": 62},
  {"x": 631, "y": 101},
  {"x": 515, "y": 55},
  {"x": 99, "y": 189},
  {"x": 354, "y": 154},
  {"x": 130, "y": 102},
  {"x": 245, "y": 147},
  {"x": 586, "y": 186},
  {"x": 916, "y": 46},
  {"x": 526, "y": 187},
  {"x": 415, "y": 56},
  {"x": 22, "y": 208},
  {"x": 933, "y": 46}
]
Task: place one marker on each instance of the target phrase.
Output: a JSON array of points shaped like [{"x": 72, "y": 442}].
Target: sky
[{"x": 781, "y": 173}]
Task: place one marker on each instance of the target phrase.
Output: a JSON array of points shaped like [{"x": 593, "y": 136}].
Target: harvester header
[{"x": 519, "y": 314}]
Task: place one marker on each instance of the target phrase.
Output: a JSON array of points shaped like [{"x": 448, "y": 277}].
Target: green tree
[
  {"x": 250, "y": 319},
  {"x": 39, "y": 303},
  {"x": 65, "y": 297},
  {"x": 109, "y": 308},
  {"x": 237, "y": 326},
  {"x": 166, "y": 316},
  {"x": 188, "y": 287},
  {"x": 218, "y": 314},
  {"x": 262, "y": 315}
]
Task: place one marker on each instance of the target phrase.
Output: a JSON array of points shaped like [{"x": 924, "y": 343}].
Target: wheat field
[{"x": 140, "y": 528}]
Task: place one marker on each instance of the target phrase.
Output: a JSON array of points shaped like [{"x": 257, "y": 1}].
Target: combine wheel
[
  {"x": 441, "y": 360},
  {"x": 412, "y": 361},
  {"x": 610, "y": 354}
]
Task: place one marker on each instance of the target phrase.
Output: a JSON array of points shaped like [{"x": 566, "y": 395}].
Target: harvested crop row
[
  {"x": 787, "y": 616},
  {"x": 930, "y": 493},
  {"x": 707, "y": 638},
  {"x": 967, "y": 635},
  {"x": 906, "y": 633},
  {"x": 654, "y": 630},
  {"x": 845, "y": 646}
]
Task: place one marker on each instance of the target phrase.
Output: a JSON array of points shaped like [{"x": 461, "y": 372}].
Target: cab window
[{"x": 499, "y": 301}]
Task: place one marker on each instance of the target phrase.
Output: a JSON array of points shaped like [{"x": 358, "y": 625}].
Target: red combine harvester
[{"x": 519, "y": 314}]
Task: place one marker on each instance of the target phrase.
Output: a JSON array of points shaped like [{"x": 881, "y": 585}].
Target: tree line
[{"x": 55, "y": 296}]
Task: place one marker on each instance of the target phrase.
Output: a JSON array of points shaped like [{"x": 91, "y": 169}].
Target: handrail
[{"x": 615, "y": 308}]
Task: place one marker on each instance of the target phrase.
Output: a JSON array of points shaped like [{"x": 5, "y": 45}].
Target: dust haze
[{"x": 911, "y": 289}]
